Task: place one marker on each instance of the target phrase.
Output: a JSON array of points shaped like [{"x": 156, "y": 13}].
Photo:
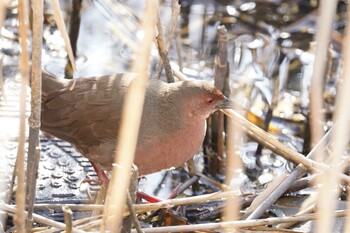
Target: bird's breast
[{"x": 174, "y": 150}]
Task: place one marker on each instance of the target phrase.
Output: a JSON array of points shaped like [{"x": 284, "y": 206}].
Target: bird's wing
[{"x": 84, "y": 111}]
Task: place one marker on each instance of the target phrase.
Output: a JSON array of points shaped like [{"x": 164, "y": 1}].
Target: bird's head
[{"x": 203, "y": 98}]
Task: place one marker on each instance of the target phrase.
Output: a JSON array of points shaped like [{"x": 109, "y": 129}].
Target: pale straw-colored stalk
[
  {"x": 3, "y": 5},
  {"x": 37, "y": 218},
  {"x": 323, "y": 35},
  {"x": 129, "y": 127},
  {"x": 342, "y": 113},
  {"x": 24, "y": 70},
  {"x": 327, "y": 193},
  {"x": 62, "y": 27},
  {"x": 238, "y": 224}
]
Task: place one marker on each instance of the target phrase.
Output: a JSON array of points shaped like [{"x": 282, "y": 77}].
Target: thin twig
[
  {"x": 134, "y": 218},
  {"x": 163, "y": 45},
  {"x": 175, "y": 11},
  {"x": 163, "y": 53}
]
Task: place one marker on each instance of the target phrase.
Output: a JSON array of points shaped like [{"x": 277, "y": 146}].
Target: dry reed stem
[
  {"x": 233, "y": 143},
  {"x": 134, "y": 218},
  {"x": 218, "y": 184},
  {"x": 326, "y": 15},
  {"x": 62, "y": 27},
  {"x": 268, "y": 196},
  {"x": 220, "y": 76},
  {"x": 34, "y": 120},
  {"x": 258, "y": 206},
  {"x": 68, "y": 219},
  {"x": 309, "y": 209},
  {"x": 101, "y": 196},
  {"x": 141, "y": 208},
  {"x": 238, "y": 224},
  {"x": 221, "y": 59},
  {"x": 341, "y": 117},
  {"x": 95, "y": 224},
  {"x": 87, "y": 220},
  {"x": 74, "y": 207},
  {"x": 175, "y": 11},
  {"x": 2, "y": 88},
  {"x": 327, "y": 194},
  {"x": 270, "y": 142},
  {"x": 233, "y": 163},
  {"x": 178, "y": 47},
  {"x": 37, "y": 218},
  {"x": 163, "y": 53},
  {"x": 129, "y": 127},
  {"x": 164, "y": 44},
  {"x": 3, "y": 5},
  {"x": 178, "y": 74},
  {"x": 24, "y": 70}
]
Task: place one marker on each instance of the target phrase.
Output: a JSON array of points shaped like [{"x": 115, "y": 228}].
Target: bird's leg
[
  {"x": 102, "y": 177},
  {"x": 100, "y": 173},
  {"x": 101, "y": 196}
]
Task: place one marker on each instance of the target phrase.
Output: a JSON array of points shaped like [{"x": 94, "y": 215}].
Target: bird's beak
[{"x": 226, "y": 103}]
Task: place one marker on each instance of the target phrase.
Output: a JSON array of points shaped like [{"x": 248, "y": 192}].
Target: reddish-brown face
[
  {"x": 206, "y": 103},
  {"x": 210, "y": 100}
]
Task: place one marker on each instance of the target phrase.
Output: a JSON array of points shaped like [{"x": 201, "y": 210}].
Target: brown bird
[{"x": 86, "y": 112}]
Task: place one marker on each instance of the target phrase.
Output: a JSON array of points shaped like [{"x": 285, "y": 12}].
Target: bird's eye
[{"x": 210, "y": 101}]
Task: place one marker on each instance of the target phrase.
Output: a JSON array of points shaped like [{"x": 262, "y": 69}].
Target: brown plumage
[{"x": 86, "y": 113}]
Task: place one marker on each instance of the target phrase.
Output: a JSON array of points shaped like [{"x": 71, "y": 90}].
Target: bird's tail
[{"x": 51, "y": 83}]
